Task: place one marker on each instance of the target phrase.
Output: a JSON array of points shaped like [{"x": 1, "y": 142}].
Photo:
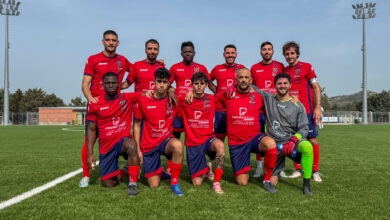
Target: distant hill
[{"x": 349, "y": 99}]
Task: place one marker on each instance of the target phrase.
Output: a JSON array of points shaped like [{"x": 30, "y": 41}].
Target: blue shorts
[
  {"x": 152, "y": 161},
  {"x": 178, "y": 126},
  {"x": 196, "y": 158},
  {"x": 220, "y": 123},
  {"x": 240, "y": 154},
  {"x": 262, "y": 121},
  {"x": 109, "y": 160},
  {"x": 86, "y": 125},
  {"x": 312, "y": 127}
]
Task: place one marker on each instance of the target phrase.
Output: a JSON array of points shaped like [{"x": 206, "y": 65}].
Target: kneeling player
[
  {"x": 156, "y": 115},
  {"x": 288, "y": 125},
  {"x": 198, "y": 120},
  {"x": 112, "y": 114}
]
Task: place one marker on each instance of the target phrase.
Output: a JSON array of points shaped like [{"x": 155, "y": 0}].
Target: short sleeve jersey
[
  {"x": 225, "y": 76},
  {"x": 301, "y": 74},
  {"x": 157, "y": 116},
  {"x": 113, "y": 118},
  {"x": 142, "y": 74},
  {"x": 98, "y": 64},
  {"x": 198, "y": 118},
  {"x": 182, "y": 75},
  {"x": 242, "y": 115},
  {"x": 263, "y": 75}
]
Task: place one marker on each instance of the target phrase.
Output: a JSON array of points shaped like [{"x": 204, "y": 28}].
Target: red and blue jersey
[
  {"x": 242, "y": 115},
  {"x": 157, "y": 115},
  {"x": 98, "y": 64},
  {"x": 142, "y": 73},
  {"x": 182, "y": 75},
  {"x": 198, "y": 118},
  {"x": 263, "y": 75},
  {"x": 113, "y": 118},
  {"x": 301, "y": 74},
  {"x": 225, "y": 76}
]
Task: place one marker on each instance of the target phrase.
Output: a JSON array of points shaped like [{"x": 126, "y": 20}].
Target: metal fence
[
  {"x": 354, "y": 117},
  {"x": 22, "y": 118}
]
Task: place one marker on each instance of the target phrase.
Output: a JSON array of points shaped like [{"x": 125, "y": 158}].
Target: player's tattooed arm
[{"x": 219, "y": 160}]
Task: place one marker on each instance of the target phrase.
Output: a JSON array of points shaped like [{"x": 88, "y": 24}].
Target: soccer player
[
  {"x": 92, "y": 84},
  {"x": 243, "y": 131},
  {"x": 305, "y": 86},
  {"x": 263, "y": 74},
  {"x": 112, "y": 115},
  {"x": 288, "y": 125},
  {"x": 156, "y": 116},
  {"x": 198, "y": 118},
  {"x": 182, "y": 73},
  {"x": 225, "y": 74}
]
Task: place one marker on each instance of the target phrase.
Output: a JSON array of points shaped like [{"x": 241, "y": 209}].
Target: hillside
[{"x": 349, "y": 99}]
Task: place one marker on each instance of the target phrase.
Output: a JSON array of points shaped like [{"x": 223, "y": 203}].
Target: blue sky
[{"x": 51, "y": 40}]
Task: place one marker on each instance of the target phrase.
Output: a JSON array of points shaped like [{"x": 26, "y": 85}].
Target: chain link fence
[{"x": 354, "y": 117}]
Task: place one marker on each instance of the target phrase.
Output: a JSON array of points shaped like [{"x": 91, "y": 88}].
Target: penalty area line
[{"x": 40, "y": 189}]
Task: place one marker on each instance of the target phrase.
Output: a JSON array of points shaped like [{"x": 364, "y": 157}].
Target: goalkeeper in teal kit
[{"x": 287, "y": 124}]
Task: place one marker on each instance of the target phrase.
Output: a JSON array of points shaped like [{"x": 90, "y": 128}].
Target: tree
[
  {"x": 35, "y": 98},
  {"x": 324, "y": 100},
  {"x": 1, "y": 100},
  {"x": 77, "y": 102},
  {"x": 14, "y": 101},
  {"x": 380, "y": 102}
]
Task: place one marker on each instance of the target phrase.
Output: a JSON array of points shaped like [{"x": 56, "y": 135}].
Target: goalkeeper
[{"x": 287, "y": 124}]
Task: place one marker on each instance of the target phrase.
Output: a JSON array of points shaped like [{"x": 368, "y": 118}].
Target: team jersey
[
  {"x": 113, "y": 118},
  {"x": 242, "y": 115},
  {"x": 263, "y": 75},
  {"x": 198, "y": 118},
  {"x": 301, "y": 74},
  {"x": 142, "y": 74},
  {"x": 225, "y": 76},
  {"x": 182, "y": 75},
  {"x": 98, "y": 64},
  {"x": 157, "y": 116}
]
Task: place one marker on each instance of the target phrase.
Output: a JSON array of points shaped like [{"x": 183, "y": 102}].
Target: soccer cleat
[
  {"x": 306, "y": 187},
  {"x": 317, "y": 177},
  {"x": 217, "y": 188},
  {"x": 259, "y": 172},
  {"x": 176, "y": 189},
  {"x": 132, "y": 189},
  {"x": 282, "y": 174},
  {"x": 269, "y": 187},
  {"x": 210, "y": 174},
  {"x": 295, "y": 174},
  {"x": 84, "y": 182}
]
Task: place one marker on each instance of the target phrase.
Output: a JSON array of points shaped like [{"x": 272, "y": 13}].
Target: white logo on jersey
[
  {"x": 243, "y": 111},
  {"x": 150, "y": 107},
  {"x": 161, "y": 123},
  {"x": 222, "y": 70},
  {"x": 115, "y": 120},
  {"x": 143, "y": 70},
  {"x": 229, "y": 82},
  {"x": 180, "y": 70},
  {"x": 268, "y": 83},
  {"x": 187, "y": 82},
  {"x": 259, "y": 71},
  {"x": 104, "y": 108},
  {"x": 275, "y": 125},
  {"x": 151, "y": 85},
  {"x": 197, "y": 114},
  {"x": 102, "y": 64}
]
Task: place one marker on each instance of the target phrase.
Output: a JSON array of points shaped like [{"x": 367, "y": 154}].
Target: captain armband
[{"x": 314, "y": 80}]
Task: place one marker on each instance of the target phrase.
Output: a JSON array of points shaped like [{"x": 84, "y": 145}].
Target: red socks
[
  {"x": 176, "y": 169},
  {"x": 297, "y": 166},
  {"x": 217, "y": 175},
  {"x": 169, "y": 166},
  {"x": 258, "y": 157},
  {"x": 316, "y": 157},
  {"x": 84, "y": 158},
  {"x": 269, "y": 162},
  {"x": 133, "y": 173}
]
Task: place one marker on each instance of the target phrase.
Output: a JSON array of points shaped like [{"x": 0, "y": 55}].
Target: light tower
[
  {"x": 364, "y": 11},
  {"x": 7, "y": 8}
]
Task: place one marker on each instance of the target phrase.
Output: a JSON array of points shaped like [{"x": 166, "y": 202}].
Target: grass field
[{"x": 354, "y": 165}]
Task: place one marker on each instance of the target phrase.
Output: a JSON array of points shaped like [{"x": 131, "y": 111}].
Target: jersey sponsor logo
[
  {"x": 104, "y": 108},
  {"x": 161, "y": 124},
  {"x": 181, "y": 70},
  {"x": 151, "y": 85},
  {"x": 259, "y": 71},
  {"x": 274, "y": 72},
  {"x": 268, "y": 83},
  {"x": 115, "y": 120},
  {"x": 252, "y": 100},
  {"x": 187, "y": 82},
  {"x": 102, "y": 63},
  {"x": 197, "y": 114},
  {"x": 151, "y": 107},
  {"x": 243, "y": 111},
  {"x": 281, "y": 106},
  {"x": 222, "y": 70},
  {"x": 143, "y": 70},
  {"x": 229, "y": 82}
]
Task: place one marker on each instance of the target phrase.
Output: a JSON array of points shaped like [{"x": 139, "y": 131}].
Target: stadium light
[
  {"x": 364, "y": 12},
  {"x": 8, "y": 9}
]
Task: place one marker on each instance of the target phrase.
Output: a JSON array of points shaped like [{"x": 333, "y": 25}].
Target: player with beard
[
  {"x": 263, "y": 74},
  {"x": 288, "y": 126},
  {"x": 305, "y": 85},
  {"x": 92, "y": 84}
]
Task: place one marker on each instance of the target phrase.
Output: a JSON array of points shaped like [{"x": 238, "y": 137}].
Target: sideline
[
  {"x": 68, "y": 129},
  {"x": 40, "y": 189}
]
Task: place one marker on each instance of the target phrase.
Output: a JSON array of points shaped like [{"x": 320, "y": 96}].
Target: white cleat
[
  {"x": 259, "y": 172},
  {"x": 282, "y": 174},
  {"x": 84, "y": 182},
  {"x": 295, "y": 174},
  {"x": 217, "y": 188},
  {"x": 317, "y": 177}
]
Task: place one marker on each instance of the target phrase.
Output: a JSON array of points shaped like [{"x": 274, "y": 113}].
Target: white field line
[
  {"x": 68, "y": 129},
  {"x": 40, "y": 189}
]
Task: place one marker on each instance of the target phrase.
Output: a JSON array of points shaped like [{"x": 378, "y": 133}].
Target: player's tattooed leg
[{"x": 219, "y": 161}]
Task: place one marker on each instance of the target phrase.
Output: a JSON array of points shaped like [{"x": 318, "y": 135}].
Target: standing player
[
  {"x": 288, "y": 125},
  {"x": 92, "y": 85},
  {"x": 305, "y": 86},
  {"x": 263, "y": 74},
  {"x": 225, "y": 74},
  {"x": 243, "y": 131},
  {"x": 156, "y": 116},
  {"x": 182, "y": 73},
  {"x": 198, "y": 118},
  {"x": 112, "y": 115}
]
